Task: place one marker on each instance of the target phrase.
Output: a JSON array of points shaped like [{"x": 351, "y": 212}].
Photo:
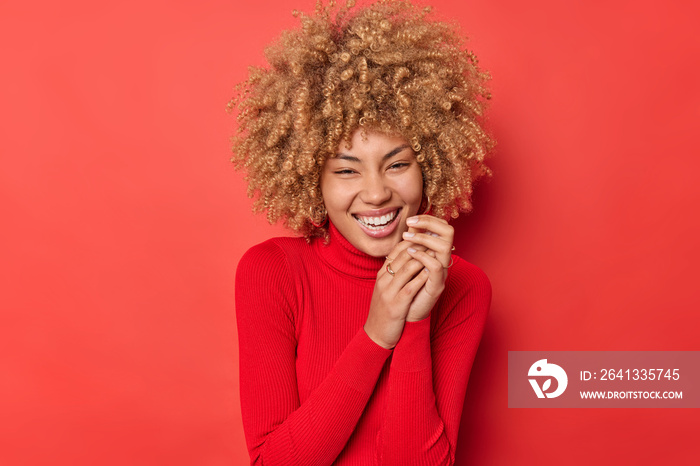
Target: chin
[{"x": 382, "y": 247}]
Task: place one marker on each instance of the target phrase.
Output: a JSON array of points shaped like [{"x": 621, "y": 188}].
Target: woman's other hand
[
  {"x": 398, "y": 282},
  {"x": 432, "y": 240}
]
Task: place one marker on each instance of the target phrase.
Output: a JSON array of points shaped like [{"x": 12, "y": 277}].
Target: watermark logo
[
  {"x": 542, "y": 368},
  {"x": 603, "y": 379}
]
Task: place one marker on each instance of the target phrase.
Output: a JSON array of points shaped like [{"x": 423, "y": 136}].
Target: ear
[{"x": 318, "y": 216}]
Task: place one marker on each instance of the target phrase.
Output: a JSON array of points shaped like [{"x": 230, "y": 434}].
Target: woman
[{"x": 356, "y": 341}]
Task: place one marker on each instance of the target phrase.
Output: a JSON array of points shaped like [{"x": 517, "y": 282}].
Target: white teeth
[{"x": 374, "y": 222}]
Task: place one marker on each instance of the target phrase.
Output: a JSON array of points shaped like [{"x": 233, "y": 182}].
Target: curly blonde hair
[{"x": 385, "y": 67}]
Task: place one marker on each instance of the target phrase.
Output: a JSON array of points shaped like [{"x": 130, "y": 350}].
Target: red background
[{"x": 123, "y": 222}]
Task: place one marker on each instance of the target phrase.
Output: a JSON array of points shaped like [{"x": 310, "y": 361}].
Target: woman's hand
[
  {"x": 394, "y": 293},
  {"x": 432, "y": 240}
]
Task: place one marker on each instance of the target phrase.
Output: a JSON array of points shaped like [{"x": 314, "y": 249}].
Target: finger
[
  {"x": 398, "y": 249},
  {"x": 436, "y": 272},
  {"x": 433, "y": 226},
  {"x": 405, "y": 274},
  {"x": 442, "y": 248},
  {"x": 430, "y": 263},
  {"x": 428, "y": 222},
  {"x": 412, "y": 288},
  {"x": 398, "y": 256},
  {"x": 392, "y": 256},
  {"x": 415, "y": 230}
]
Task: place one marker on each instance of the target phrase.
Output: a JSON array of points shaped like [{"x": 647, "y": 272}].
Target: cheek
[
  {"x": 413, "y": 189},
  {"x": 334, "y": 196}
]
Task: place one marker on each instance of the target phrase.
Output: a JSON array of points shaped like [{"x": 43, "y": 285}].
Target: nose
[{"x": 375, "y": 190}]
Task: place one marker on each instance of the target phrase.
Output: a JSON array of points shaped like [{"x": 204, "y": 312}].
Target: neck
[{"x": 346, "y": 258}]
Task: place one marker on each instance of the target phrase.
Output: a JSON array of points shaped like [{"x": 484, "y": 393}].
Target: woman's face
[{"x": 370, "y": 190}]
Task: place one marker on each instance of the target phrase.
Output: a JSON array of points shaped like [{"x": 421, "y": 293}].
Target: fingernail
[
  {"x": 408, "y": 235},
  {"x": 411, "y": 220},
  {"x": 411, "y": 250},
  {"x": 435, "y": 235}
]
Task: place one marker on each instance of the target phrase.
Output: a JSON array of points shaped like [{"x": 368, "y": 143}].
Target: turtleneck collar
[{"x": 346, "y": 258}]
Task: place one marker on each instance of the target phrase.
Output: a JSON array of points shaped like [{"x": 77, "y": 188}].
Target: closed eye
[
  {"x": 344, "y": 171},
  {"x": 398, "y": 165}
]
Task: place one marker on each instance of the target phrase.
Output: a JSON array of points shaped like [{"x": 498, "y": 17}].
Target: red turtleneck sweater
[{"x": 316, "y": 390}]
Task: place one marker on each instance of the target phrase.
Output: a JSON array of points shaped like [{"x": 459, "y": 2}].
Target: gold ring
[
  {"x": 453, "y": 248},
  {"x": 452, "y": 261},
  {"x": 388, "y": 269}
]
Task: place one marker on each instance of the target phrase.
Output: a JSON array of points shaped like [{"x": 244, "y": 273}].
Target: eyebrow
[{"x": 351, "y": 158}]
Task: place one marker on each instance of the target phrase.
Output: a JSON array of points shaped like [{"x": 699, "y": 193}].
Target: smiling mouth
[{"x": 377, "y": 223}]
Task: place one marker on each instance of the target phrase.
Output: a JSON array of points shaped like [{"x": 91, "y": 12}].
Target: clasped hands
[{"x": 419, "y": 264}]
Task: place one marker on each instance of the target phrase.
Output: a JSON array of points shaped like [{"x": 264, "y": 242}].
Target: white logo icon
[{"x": 542, "y": 369}]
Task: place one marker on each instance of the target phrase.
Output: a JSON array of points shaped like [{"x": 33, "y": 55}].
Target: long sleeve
[
  {"x": 428, "y": 376},
  {"x": 279, "y": 430}
]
